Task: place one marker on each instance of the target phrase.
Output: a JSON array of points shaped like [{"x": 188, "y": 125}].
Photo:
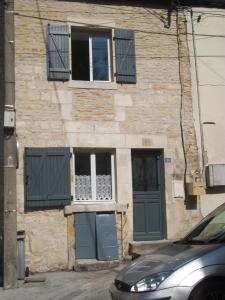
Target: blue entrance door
[{"x": 148, "y": 195}]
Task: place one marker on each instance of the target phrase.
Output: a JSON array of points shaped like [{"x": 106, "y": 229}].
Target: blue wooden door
[{"x": 148, "y": 195}]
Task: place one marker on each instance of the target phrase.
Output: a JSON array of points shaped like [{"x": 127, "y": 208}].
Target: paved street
[{"x": 65, "y": 286}]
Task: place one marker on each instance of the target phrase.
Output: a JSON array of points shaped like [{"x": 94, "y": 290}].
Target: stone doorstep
[
  {"x": 143, "y": 247},
  {"x": 94, "y": 265}
]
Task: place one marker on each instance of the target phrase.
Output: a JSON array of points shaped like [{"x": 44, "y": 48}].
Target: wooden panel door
[{"x": 148, "y": 195}]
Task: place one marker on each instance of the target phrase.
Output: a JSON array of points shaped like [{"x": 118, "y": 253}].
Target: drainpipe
[
  {"x": 10, "y": 160},
  {"x": 203, "y": 152}
]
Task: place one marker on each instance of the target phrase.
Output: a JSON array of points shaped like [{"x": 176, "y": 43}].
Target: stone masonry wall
[{"x": 57, "y": 113}]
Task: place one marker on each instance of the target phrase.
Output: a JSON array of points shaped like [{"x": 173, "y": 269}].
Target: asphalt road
[{"x": 64, "y": 286}]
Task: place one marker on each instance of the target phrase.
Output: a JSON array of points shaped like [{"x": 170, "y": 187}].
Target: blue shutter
[
  {"x": 107, "y": 246},
  {"x": 47, "y": 177},
  {"x": 58, "y": 52},
  {"x": 85, "y": 235},
  {"x": 125, "y": 56}
]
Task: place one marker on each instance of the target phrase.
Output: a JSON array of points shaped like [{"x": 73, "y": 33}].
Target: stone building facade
[{"x": 135, "y": 139}]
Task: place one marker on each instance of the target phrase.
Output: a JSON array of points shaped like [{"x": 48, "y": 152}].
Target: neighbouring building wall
[
  {"x": 145, "y": 115},
  {"x": 207, "y": 50}
]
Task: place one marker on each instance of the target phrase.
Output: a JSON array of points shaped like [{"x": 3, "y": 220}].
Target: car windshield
[{"x": 210, "y": 230}]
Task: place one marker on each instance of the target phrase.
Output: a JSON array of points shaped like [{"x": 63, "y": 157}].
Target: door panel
[
  {"x": 96, "y": 236},
  {"x": 148, "y": 195},
  {"x": 107, "y": 246},
  {"x": 85, "y": 235}
]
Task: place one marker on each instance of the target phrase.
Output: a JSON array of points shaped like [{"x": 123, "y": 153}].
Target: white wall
[{"x": 208, "y": 89}]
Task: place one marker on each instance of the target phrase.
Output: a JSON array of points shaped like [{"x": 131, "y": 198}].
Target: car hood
[{"x": 169, "y": 257}]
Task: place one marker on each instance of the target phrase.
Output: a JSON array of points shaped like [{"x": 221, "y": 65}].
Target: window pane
[
  {"x": 103, "y": 164},
  {"x": 82, "y": 164},
  {"x": 82, "y": 176},
  {"x": 145, "y": 173},
  {"x": 100, "y": 58},
  {"x": 103, "y": 177},
  {"x": 151, "y": 173},
  {"x": 80, "y": 59}
]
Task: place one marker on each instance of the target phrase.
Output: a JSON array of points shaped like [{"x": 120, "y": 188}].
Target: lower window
[{"x": 94, "y": 176}]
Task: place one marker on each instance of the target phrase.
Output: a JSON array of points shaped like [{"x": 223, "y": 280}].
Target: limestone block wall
[
  {"x": 115, "y": 116},
  {"x": 46, "y": 241}
]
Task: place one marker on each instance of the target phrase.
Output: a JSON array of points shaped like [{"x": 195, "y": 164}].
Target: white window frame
[
  {"x": 93, "y": 179},
  {"x": 92, "y": 34}
]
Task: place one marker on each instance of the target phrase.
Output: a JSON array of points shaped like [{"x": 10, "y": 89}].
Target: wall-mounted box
[
  {"x": 178, "y": 188},
  {"x": 195, "y": 188},
  {"x": 9, "y": 117},
  {"x": 215, "y": 175}
]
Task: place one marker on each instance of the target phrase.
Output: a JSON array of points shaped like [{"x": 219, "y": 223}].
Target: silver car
[{"x": 192, "y": 268}]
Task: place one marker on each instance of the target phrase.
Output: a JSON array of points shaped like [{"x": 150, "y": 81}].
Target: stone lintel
[
  {"x": 117, "y": 140},
  {"x": 120, "y": 208}
]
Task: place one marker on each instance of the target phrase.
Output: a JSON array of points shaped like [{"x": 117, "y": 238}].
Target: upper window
[{"x": 90, "y": 54}]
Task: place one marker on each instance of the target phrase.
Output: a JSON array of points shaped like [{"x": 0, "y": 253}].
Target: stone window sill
[
  {"x": 93, "y": 85},
  {"x": 95, "y": 207}
]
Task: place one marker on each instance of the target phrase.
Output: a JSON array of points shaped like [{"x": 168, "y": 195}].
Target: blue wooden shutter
[
  {"x": 125, "y": 56},
  {"x": 58, "y": 52},
  {"x": 107, "y": 246},
  {"x": 85, "y": 235},
  {"x": 47, "y": 177}
]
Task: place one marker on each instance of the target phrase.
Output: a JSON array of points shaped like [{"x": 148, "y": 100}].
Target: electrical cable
[
  {"x": 198, "y": 92},
  {"x": 110, "y": 27},
  {"x": 181, "y": 106}
]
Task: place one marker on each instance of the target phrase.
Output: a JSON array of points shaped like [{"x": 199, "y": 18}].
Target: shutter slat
[
  {"x": 125, "y": 56},
  {"x": 58, "y": 52}
]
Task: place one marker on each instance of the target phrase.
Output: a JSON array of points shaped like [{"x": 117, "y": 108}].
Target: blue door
[{"x": 148, "y": 195}]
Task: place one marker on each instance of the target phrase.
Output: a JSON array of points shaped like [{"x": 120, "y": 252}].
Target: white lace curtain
[{"x": 83, "y": 189}]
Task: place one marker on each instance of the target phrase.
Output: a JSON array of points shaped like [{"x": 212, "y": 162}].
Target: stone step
[
  {"x": 140, "y": 248},
  {"x": 94, "y": 265}
]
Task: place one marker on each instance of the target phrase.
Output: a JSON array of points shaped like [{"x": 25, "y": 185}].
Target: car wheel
[{"x": 209, "y": 291}]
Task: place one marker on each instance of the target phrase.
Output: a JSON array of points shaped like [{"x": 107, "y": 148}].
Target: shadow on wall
[
  {"x": 215, "y": 190},
  {"x": 191, "y": 203}
]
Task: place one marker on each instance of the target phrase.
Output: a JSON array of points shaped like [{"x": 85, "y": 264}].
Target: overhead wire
[{"x": 110, "y": 27}]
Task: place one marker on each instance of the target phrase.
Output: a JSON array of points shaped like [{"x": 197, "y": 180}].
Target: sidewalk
[{"x": 65, "y": 286}]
